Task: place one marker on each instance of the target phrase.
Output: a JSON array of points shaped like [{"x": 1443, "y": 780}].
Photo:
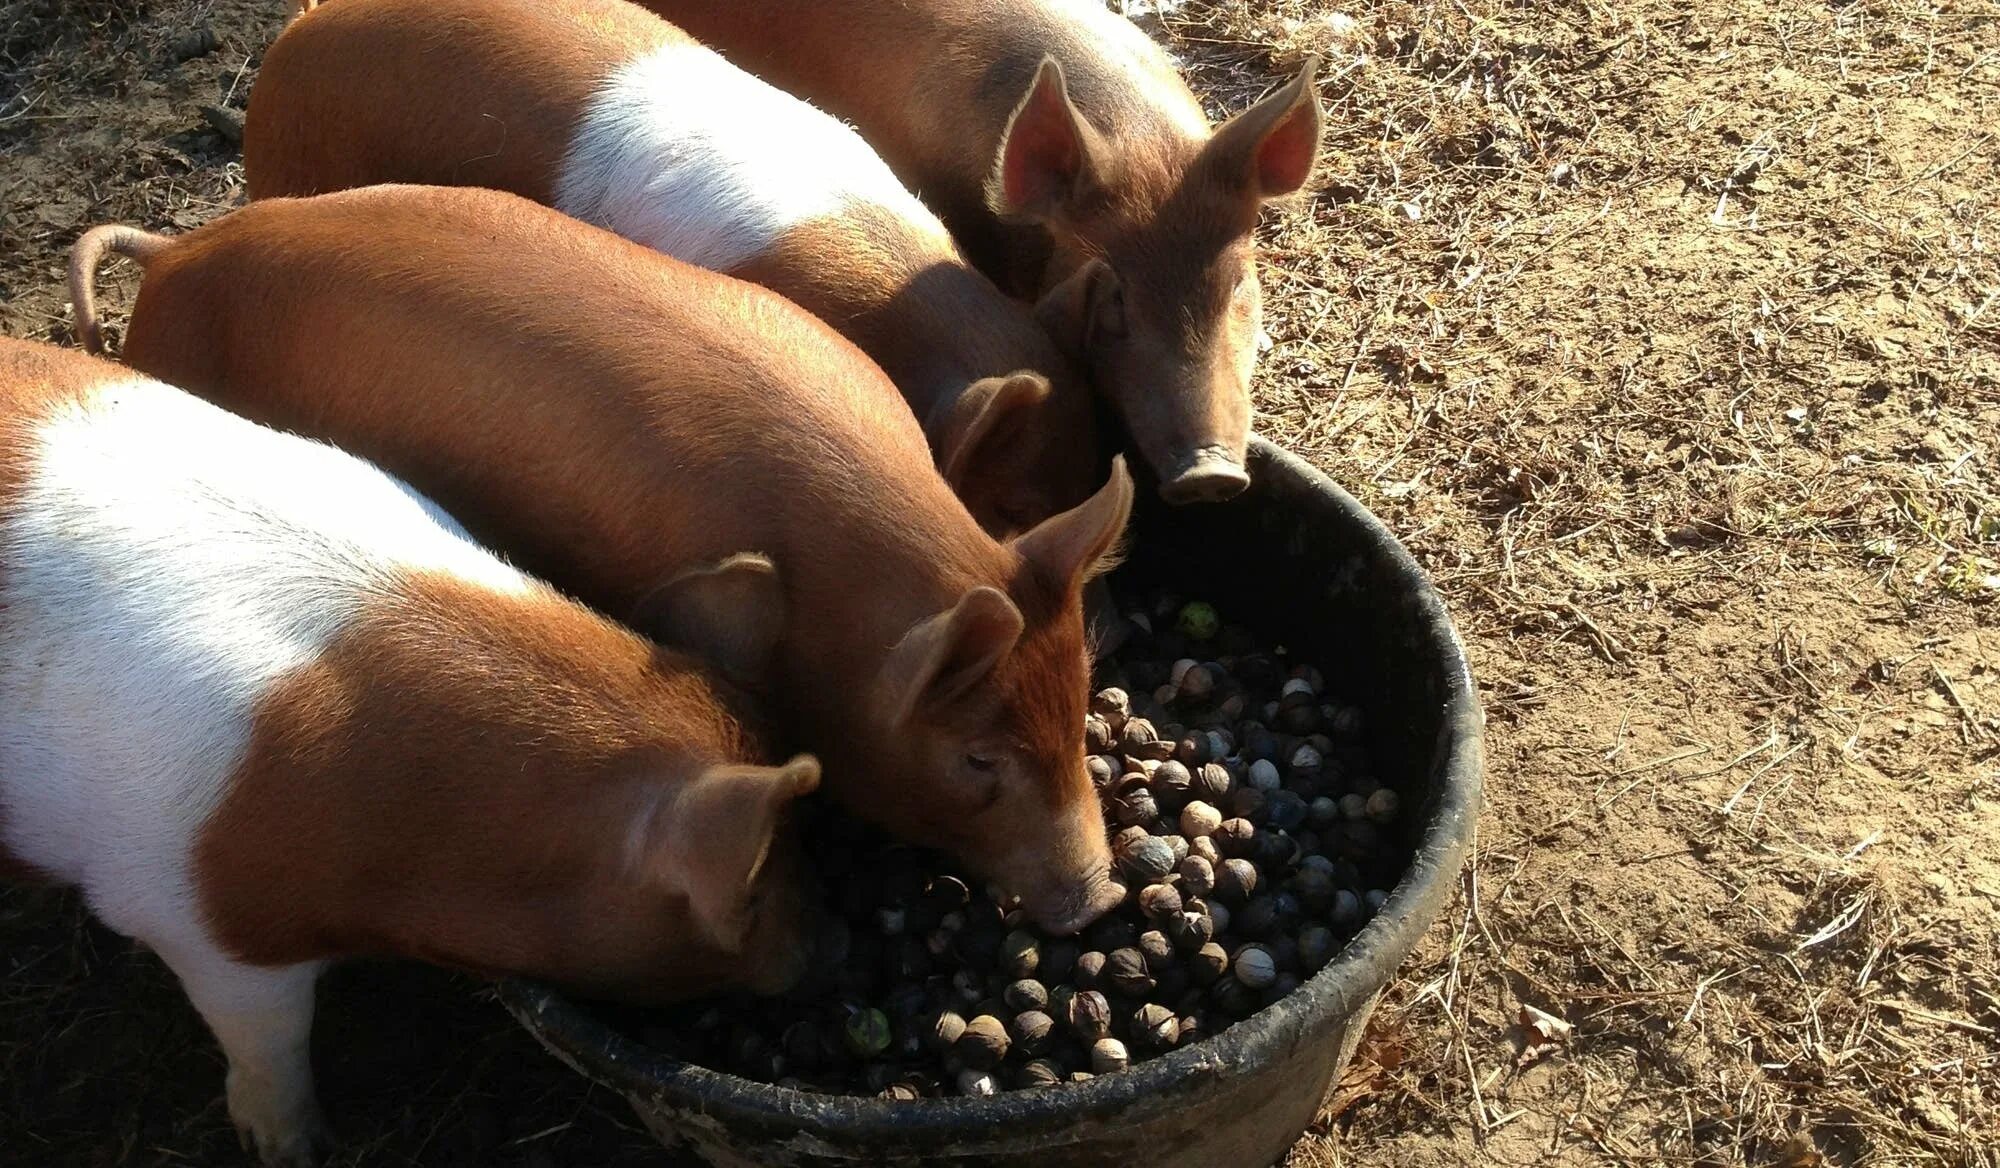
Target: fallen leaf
[{"x": 1541, "y": 1033}]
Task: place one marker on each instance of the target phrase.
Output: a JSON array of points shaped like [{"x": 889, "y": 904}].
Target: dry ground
[{"x": 1669, "y": 337}]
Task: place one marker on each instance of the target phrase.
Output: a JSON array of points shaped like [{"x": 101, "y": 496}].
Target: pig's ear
[
  {"x": 1268, "y": 150},
  {"x": 1065, "y": 311},
  {"x": 723, "y": 826},
  {"x": 1082, "y": 542},
  {"x": 1051, "y": 159},
  {"x": 730, "y": 613},
  {"x": 988, "y": 415},
  {"x": 944, "y": 656}
]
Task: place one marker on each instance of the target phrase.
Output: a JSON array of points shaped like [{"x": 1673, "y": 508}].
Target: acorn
[
  {"x": 1148, "y": 860},
  {"x": 1383, "y": 805},
  {"x": 972, "y": 1081},
  {"x": 1025, "y": 994},
  {"x": 1199, "y": 819},
  {"x": 866, "y": 1032},
  {"x": 1031, "y": 1031},
  {"x": 1089, "y": 971},
  {"x": 1197, "y": 876},
  {"x": 1213, "y": 782},
  {"x": 1136, "y": 808},
  {"x": 1157, "y": 950},
  {"x": 983, "y": 1044},
  {"x": 1089, "y": 1015},
  {"x": 1108, "y": 1055},
  {"x": 1208, "y": 963},
  {"x": 1235, "y": 837},
  {"x": 1137, "y": 733},
  {"x": 1254, "y": 966},
  {"x": 1190, "y": 931},
  {"x": 1316, "y": 947},
  {"x": 1159, "y": 902},
  {"x": 1039, "y": 1073},
  {"x": 1346, "y": 911},
  {"x": 1127, "y": 973},
  {"x": 1020, "y": 954},
  {"x": 1236, "y": 881},
  {"x": 1155, "y": 1027},
  {"x": 1197, "y": 684},
  {"x": 1173, "y": 783}
]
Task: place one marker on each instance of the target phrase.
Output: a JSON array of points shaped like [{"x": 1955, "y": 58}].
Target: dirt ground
[{"x": 1668, "y": 336}]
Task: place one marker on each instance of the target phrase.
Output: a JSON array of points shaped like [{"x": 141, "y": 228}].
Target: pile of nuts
[{"x": 1247, "y": 824}]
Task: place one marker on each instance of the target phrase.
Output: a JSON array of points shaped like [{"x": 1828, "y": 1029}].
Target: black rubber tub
[{"x": 1297, "y": 557}]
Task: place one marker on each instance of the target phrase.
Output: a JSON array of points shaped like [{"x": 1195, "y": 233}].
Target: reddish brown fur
[
  {"x": 488, "y": 92},
  {"x": 612, "y": 418},
  {"x": 933, "y": 85},
  {"x": 387, "y": 804}
]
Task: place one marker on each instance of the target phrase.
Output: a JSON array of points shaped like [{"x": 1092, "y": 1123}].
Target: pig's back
[
  {"x": 162, "y": 565},
  {"x": 540, "y": 377}
]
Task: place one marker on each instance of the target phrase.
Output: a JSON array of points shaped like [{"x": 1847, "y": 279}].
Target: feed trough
[{"x": 1308, "y": 568}]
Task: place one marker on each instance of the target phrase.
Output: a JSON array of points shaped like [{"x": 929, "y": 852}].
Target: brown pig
[
  {"x": 1066, "y": 153},
  {"x": 625, "y": 424},
  {"x": 266, "y": 707},
  {"x": 605, "y": 111}
]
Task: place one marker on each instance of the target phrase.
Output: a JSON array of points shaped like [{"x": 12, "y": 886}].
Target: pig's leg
[{"x": 263, "y": 1019}]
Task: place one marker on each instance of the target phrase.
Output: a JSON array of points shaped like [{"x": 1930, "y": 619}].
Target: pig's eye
[
  {"x": 984, "y": 764},
  {"x": 1111, "y": 311}
]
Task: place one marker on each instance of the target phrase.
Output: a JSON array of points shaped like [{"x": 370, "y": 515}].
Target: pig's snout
[
  {"x": 1071, "y": 911},
  {"x": 1209, "y": 474}
]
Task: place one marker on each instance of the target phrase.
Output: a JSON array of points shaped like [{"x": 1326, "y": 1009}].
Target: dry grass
[{"x": 1669, "y": 338}]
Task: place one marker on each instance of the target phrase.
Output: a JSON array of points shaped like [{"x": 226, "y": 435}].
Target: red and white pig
[
  {"x": 617, "y": 419},
  {"x": 267, "y": 706},
  {"x": 1063, "y": 149},
  {"x": 605, "y": 111}
]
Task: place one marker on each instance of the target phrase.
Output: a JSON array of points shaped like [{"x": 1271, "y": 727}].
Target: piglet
[
  {"x": 1065, "y": 152},
  {"x": 611, "y": 114},
  {"x": 624, "y": 424},
  {"x": 267, "y": 706}
]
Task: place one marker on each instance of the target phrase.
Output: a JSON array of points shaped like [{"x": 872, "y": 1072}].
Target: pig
[
  {"x": 619, "y": 421},
  {"x": 1065, "y": 152},
  {"x": 607, "y": 112},
  {"x": 266, "y": 706}
]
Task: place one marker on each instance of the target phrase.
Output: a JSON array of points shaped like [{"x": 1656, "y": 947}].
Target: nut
[
  {"x": 1213, "y": 782},
  {"x": 1316, "y": 947},
  {"x": 1113, "y": 705},
  {"x": 1108, "y": 1055},
  {"x": 1101, "y": 768},
  {"x": 984, "y": 1043},
  {"x": 1194, "y": 750},
  {"x": 1197, "y": 684},
  {"x": 1148, "y": 860},
  {"x": 1032, "y": 1029},
  {"x": 1207, "y": 963},
  {"x": 1089, "y": 971},
  {"x": 1159, "y": 902},
  {"x": 1235, "y": 837},
  {"x": 1198, "y": 621},
  {"x": 1204, "y": 846},
  {"x": 1346, "y": 910},
  {"x": 1020, "y": 954},
  {"x": 1198, "y": 876},
  {"x": 1098, "y": 737},
  {"x": 1199, "y": 819},
  {"x": 1126, "y": 972},
  {"x": 945, "y": 1030},
  {"x": 1089, "y": 1015},
  {"x": 1155, "y": 1027},
  {"x": 1025, "y": 994},
  {"x": 866, "y": 1032},
  {"x": 976, "y": 1082},
  {"x": 1138, "y": 732},
  {"x": 1264, "y": 775},
  {"x": 1383, "y": 805},
  {"x": 1039, "y": 1073},
  {"x": 1236, "y": 881},
  {"x": 1157, "y": 950},
  {"x": 1305, "y": 758},
  {"x": 1136, "y": 808},
  {"x": 1191, "y": 930},
  {"x": 1173, "y": 783},
  {"x": 1254, "y": 966}
]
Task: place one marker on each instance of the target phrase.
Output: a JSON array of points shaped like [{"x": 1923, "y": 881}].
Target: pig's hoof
[{"x": 297, "y": 1140}]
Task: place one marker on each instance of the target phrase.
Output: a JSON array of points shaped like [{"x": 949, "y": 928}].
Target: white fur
[
  {"x": 164, "y": 564},
  {"x": 691, "y": 156}
]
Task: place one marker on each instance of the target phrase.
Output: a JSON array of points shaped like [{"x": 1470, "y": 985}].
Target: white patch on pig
[
  {"x": 691, "y": 156},
  {"x": 164, "y": 563}
]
